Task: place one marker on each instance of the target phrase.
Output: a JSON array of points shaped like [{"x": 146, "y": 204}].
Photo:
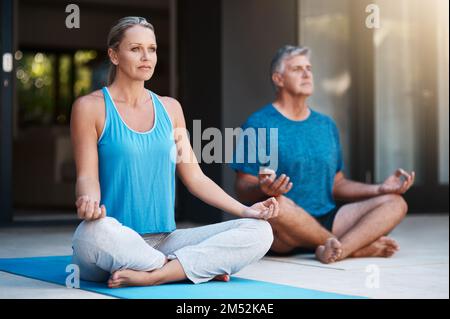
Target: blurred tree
[{"x": 49, "y": 82}]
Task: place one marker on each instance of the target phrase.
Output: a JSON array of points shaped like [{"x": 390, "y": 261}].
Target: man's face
[{"x": 297, "y": 77}]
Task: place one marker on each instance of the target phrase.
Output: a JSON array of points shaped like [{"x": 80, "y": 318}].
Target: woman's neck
[{"x": 129, "y": 92}]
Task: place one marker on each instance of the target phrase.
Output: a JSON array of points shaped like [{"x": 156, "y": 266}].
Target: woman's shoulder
[
  {"x": 170, "y": 102},
  {"x": 89, "y": 108},
  {"x": 89, "y": 101},
  {"x": 92, "y": 103},
  {"x": 173, "y": 107}
]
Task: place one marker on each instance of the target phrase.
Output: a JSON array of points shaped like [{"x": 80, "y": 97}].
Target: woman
[{"x": 123, "y": 137}]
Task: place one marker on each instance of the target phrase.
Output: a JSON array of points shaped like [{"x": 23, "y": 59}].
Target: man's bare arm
[
  {"x": 347, "y": 190},
  {"x": 247, "y": 188}
]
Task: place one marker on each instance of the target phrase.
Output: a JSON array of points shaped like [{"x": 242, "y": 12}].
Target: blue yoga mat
[{"x": 53, "y": 269}]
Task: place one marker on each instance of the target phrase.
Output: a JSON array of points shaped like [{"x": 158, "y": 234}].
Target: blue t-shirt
[{"x": 308, "y": 151}]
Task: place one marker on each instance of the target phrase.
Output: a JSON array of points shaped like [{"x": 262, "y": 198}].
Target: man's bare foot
[
  {"x": 130, "y": 278},
  {"x": 382, "y": 247},
  {"x": 330, "y": 252}
]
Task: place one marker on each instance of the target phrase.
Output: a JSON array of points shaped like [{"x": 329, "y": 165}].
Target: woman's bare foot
[
  {"x": 225, "y": 278},
  {"x": 330, "y": 252},
  {"x": 130, "y": 278},
  {"x": 383, "y": 247}
]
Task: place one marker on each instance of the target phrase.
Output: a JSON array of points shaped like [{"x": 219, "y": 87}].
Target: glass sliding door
[
  {"x": 386, "y": 87},
  {"x": 400, "y": 90},
  {"x": 411, "y": 97}
]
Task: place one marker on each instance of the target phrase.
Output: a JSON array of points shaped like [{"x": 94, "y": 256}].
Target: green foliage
[{"x": 44, "y": 96}]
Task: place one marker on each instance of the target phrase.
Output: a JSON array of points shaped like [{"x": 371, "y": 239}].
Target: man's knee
[
  {"x": 288, "y": 211},
  {"x": 285, "y": 202},
  {"x": 401, "y": 207}
]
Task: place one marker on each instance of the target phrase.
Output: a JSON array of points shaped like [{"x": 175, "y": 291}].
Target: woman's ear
[{"x": 113, "y": 56}]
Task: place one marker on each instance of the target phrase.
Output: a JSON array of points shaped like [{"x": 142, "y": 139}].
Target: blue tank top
[{"x": 137, "y": 170}]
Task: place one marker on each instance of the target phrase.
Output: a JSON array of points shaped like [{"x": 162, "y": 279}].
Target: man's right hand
[
  {"x": 273, "y": 186},
  {"x": 88, "y": 208}
]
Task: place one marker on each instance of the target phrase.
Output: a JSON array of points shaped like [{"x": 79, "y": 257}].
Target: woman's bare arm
[
  {"x": 198, "y": 183},
  {"x": 84, "y": 143}
]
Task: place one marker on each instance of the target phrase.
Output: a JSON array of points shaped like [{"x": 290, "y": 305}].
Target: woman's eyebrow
[{"x": 140, "y": 43}]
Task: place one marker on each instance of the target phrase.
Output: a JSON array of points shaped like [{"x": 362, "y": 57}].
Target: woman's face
[{"x": 136, "y": 54}]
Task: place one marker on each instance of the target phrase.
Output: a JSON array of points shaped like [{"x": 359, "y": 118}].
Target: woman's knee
[
  {"x": 262, "y": 231},
  {"x": 103, "y": 225},
  {"x": 91, "y": 230},
  {"x": 93, "y": 236}
]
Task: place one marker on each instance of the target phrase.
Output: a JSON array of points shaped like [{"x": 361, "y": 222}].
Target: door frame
[{"x": 7, "y": 10}]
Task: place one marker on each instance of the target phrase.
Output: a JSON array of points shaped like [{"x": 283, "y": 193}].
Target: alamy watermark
[
  {"x": 373, "y": 279},
  {"x": 73, "y": 279},
  {"x": 73, "y": 19},
  {"x": 373, "y": 19},
  {"x": 253, "y": 146}
]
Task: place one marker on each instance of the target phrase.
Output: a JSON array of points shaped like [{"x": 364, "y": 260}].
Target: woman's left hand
[{"x": 263, "y": 210}]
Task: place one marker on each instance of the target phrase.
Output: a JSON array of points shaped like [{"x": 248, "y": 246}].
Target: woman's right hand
[
  {"x": 88, "y": 208},
  {"x": 267, "y": 209}
]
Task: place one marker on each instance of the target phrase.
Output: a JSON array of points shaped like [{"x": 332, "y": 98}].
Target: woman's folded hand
[
  {"x": 89, "y": 209},
  {"x": 263, "y": 210}
]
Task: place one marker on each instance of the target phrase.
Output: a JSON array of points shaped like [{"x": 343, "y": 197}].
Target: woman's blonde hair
[{"x": 116, "y": 34}]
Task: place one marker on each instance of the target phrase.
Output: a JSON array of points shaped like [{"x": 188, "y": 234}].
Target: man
[{"x": 311, "y": 176}]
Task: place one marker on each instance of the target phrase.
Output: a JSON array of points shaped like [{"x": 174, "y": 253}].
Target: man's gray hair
[{"x": 285, "y": 52}]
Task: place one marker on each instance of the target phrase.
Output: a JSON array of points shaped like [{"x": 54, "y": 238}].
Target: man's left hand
[{"x": 397, "y": 183}]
